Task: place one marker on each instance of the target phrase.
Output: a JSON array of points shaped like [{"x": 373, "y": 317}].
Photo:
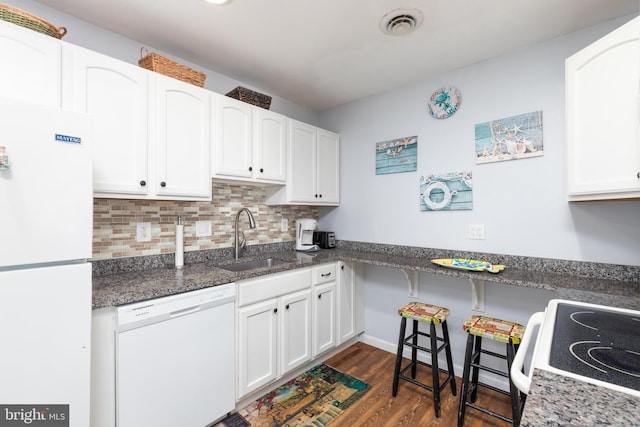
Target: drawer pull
[{"x": 326, "y": 274}]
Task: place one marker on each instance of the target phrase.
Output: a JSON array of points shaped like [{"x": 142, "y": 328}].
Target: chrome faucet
[{"x": 241, "y": 243}]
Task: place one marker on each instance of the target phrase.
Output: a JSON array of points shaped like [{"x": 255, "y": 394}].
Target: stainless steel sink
[{"x": 250, "y": 265}]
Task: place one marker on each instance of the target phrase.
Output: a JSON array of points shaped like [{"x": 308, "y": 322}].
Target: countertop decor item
[
  {"x": 468, "y": 264},
  {"x": 25, "y": 19},
  {"x": 159, "y": 64},
  {"x": 444, "y": 102},
  {"x": 250, "y": 97}
]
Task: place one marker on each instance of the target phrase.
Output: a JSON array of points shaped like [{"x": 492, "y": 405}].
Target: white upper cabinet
[
  {"x": 181, "y": 121},
  {"x": 269, "y": 146},
  {"x": 151, "y": 132},
  {"x": 249, "y": 143},
  {"x": 312, "y": 168},
  {"x": 115, "y": 94},
  {"x": 30, "y": 69},
  {"x": 603, "y": 138},
  {"x": 232, "y": 152}
]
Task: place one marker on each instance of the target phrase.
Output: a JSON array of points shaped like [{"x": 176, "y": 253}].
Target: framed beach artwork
[
  {"x": 451, "y": 191},
  {"x": 511, "y": 138},
  {"x": 397, "y": 155}
]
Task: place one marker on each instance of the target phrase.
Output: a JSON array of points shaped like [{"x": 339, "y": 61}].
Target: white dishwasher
[{"x": 175, "y": 359}]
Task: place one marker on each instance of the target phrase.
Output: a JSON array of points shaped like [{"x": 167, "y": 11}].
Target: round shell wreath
[{"x": 444, "y": 102}]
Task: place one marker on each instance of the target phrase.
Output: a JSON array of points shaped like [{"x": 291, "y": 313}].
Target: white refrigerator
[{"x": 46, "y": 221}]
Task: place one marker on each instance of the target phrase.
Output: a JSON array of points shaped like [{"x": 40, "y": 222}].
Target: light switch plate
[
  {"x": 143, "y": 232},
  {"x": 203, "y": 228},
  {"x": 284, "y": 225}
]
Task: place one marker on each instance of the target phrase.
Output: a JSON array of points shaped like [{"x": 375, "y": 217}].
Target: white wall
[
  {"x": 82, "y": 33},
  {"x": 522, "y": 203}
]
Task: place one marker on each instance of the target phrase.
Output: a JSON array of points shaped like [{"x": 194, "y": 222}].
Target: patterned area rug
[{"x": 315, "y": 398}]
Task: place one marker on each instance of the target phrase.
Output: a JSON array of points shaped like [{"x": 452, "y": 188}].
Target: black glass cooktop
[{"x": 599, "y": 344}]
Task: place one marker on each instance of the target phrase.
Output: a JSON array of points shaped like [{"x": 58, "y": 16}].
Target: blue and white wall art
[
  {"x": 397, "y": 155},
  {"x": 511, "y": 138},
  {"x": 451, "y": 191}
]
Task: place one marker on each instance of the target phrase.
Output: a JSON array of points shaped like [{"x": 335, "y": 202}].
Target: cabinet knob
[
  {"x": 163, "y": 184},
  {"x": 320, "y": 196},
  {"x": 250, "y": 169},
  {"x": 287, "y": 307},
  {"x": 143, "y": 183},
  {"x": 275, "y": 310},
  {"x": 316, "y": 196},
  {"x": 638, "y": 175},
  {"x": 320, "y": 296},
  {"x": 261, "y": 170},
  {"x": 342, "y": 267}
]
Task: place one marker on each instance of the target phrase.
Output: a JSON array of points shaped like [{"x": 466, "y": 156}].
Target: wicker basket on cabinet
[
  {"x": 159, "y": 64},
  {"x": 25, "y": 19}
]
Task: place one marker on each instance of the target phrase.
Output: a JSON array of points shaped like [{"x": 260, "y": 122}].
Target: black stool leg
[
  {"x": 514, "y": 392},
  {"x": 465, "y": 380},
  {"x": 414, "y": 350},
  {"x": 477, "y": 351},
  {"x": 403, "y": 327},
  {"x": 445, "y": 335},
  {"x": 435, "y": 372}
]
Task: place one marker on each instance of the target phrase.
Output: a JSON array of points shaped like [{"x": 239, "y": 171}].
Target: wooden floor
[{"x": 413, "y": 405}]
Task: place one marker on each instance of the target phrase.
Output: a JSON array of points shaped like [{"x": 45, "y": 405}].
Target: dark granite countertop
[
  {"x": 556, "y": 400},
  {"x": 553, "y": 400},
  {"x": 612, "y": 285}
]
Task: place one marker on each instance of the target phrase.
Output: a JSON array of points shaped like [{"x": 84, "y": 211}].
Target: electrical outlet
[
  {"x": 476, "y": 231},
  {"x": 143, "y": 232},
  {"x": 284, "y": 225},
  {"x": 203, "y": 228}
]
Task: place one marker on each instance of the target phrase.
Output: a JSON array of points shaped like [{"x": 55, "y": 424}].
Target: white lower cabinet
[
  {"x": 274, "y": 332},
  {"x": 324, "y": 308},
  {"x": 286, "y": 320},
  {"x": 295, "y": 330},
  {"x": 350, "y": 301},
  {"x": 257, "y": 346}
]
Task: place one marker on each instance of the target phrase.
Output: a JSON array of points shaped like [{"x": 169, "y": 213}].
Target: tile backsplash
[{"x": 114, "y": 222}]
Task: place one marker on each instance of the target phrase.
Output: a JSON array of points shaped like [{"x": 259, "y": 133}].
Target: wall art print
[
  {"x": 397, "y": 155},
  {"x": 511, "y": 138},
  {"x": 451, "y": 191}
]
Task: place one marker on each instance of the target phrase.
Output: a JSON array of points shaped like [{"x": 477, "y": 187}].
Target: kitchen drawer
[
  {"x": 273, "y": 285},
  {"x": 323, "y": 274}
]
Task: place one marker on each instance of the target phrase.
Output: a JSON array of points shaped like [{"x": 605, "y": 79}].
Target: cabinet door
[
  {"x": 295, "y": 330},
  {"x": 302, "y": 162},
  {"x": 257, "y": 346},
  {"x": 602, "y": 87},
  {"x": 115, "y": 95},
  {"x": 233, "y": 139},
  {"x": 269, "y": 145},
  {"x": 346, "y": 303},
  {"x": 30, "y": 68},
  {"x": 182, "y": 138},
  {"x": 324, "y": 314},
  {"x": 328, "y": 181}
]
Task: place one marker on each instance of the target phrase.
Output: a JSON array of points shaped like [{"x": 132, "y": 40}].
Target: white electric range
[{"x": 591, "y": 343}]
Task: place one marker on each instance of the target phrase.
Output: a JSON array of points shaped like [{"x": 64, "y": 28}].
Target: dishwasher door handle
[{"x": 184, "y": 311}]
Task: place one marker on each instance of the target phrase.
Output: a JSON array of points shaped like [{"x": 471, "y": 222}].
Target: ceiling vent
[{"x": 400, "y": 22}]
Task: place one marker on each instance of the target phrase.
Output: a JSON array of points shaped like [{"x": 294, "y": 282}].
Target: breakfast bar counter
[{"x": 118, "y": 282}]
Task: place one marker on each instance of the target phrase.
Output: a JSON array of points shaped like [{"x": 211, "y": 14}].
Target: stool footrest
[
  {"x": 489, "y": 412},
  {"x": 490, "y": 369},
  {"x": 408, "y": 342},
  {"x": 425, "y": 386}
]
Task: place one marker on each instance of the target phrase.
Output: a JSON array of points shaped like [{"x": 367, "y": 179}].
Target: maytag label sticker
[
  {"x": 68, "y": 139},
  {"x": 34, "y": 415}
]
